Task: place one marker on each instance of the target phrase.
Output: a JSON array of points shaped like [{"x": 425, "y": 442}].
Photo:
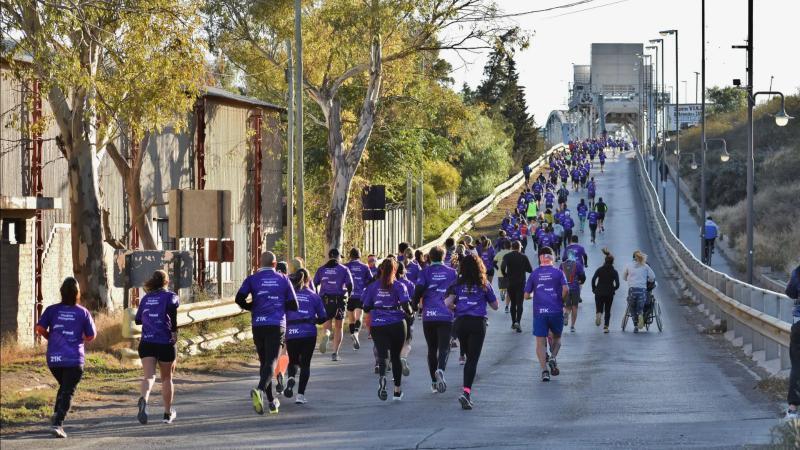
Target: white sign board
[{"x": 689, "y": 115}]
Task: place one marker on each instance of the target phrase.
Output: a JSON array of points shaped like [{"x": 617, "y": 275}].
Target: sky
[{"x": 564, "y": 36}]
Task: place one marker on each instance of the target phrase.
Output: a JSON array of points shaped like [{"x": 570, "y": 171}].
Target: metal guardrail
[
  {"x": 220, "y": 309},
  {"x": 758, "y": 320},
  {"x": 467, "y": 221}
]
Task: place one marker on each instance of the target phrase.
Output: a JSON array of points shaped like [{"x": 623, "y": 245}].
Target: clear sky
[{"x": 564, "y": 36}]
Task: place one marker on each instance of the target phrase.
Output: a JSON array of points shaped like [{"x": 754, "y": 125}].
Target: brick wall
[{"x": 16, "y": 288}]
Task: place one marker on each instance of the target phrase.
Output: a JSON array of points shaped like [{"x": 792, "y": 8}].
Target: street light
[
  {"x": 662, "y": 153},
  {"x": 677, "y": 138},
  {"x": 654, "y": 119},
  {"x": 693, "y": 165},
  {"x": 724, "y": 157}
]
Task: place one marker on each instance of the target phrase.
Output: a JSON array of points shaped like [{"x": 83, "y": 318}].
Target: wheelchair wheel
[
  {"x": 625, "y": 318},
  {"x": 657, "y": 312}
]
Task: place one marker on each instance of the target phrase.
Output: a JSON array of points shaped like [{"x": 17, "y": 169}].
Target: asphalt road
[{"x": 676, "y": 389}]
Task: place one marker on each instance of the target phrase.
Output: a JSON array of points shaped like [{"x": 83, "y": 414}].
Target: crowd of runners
[{"x": 446, "y": 291}]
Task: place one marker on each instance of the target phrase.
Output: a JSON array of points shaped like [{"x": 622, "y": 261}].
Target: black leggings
[
  {"x": 268, "y": 340},
  {"x": 300, "y": 352},
  {"x": 793, "y": 397},
  {"x": 516, "y": 294},
  {"x": 603, "y": 304},
  {"x": 593, "y": 229},
  {"x": 389, "y": 340},
  {"x": 68, "y": 379},
  {"x": 437, "y": 335},
  {"x": 471, "y": 332}
]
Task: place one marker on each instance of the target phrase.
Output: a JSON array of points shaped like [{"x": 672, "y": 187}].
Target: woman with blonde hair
[{"x": 638, "y": 275}]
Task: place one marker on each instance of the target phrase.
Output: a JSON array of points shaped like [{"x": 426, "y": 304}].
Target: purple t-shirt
[
  {"x": 67, "y": 326},
  {"x": 301, "y": 323},
  {"x": 154, "y": 315},
  {"x": 471, "y": 300},
  {"x": 361, "y": 276},
  {"x": 270, "y": 291},
  {"x": 487, "y": 257},
  {"x": 593, "y": 217},
  {"x": 546, "y": 284},
  {"x": 333, "y": 279},
  {"x": 412, "y": 273},
  {"x": 436, "y": 279},
  {"x": 576, "y": 252},
  {"x": 385, "y": 302}
]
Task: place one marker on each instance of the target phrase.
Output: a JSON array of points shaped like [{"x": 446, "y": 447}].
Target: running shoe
[
  {"x": 605, "y": 329},
  {"x": 323, "y": 344},
  {"x": 791, "y": 415},
  {"x": 440, "y": 384},
  {"x": 545, "y": 375},
  {"x": 514, "y": 326},
  {"x": 453, "y": 343},
  {"x": 397, "y": 396},
  {"x": 519, "y": 329},
  {"x": 142, "y": 415},
  {"x": 635, "y": 329},
  {"x": 406, "y": 368},
  {"x": 256, "y": 395},
  {"x": 506, "y": 309},
  {"x": 274, "y": 406},
  {"x": 566, "y": 319},
  {"x": 572, "y": 329},
  {"x": 356, "y": 343},
  {"x": 58, "y": 431},
  {"x": 300, "y": 400},
  {"x": 553, "y": 367},
  {"x": 434, "y": 390},
  {"x": 377, "y": 369},
  {"x": 279, "y": 385},
  {"x": 170, "y": 416},
  {"x": 462, "y": 360},
  {"x": 288, "y": 392},
  {"x": 466, "y": 400},
  {"x": 597, "y": 319},
  {"x": 334, "y": 356},
  {"x": 382, "y": 394},
  {"x": 641, "y": 320}
]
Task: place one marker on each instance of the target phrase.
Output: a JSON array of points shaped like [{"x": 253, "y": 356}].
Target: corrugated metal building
[{"x": 219, "y": 149}]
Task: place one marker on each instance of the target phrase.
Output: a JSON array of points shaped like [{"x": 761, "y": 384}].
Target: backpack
[{"x": 570, "y": 269}]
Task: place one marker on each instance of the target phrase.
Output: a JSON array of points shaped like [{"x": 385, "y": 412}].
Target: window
[{"x": 163, "y": 241}]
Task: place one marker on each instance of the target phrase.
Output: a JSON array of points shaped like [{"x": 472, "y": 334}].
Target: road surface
[{"x": 676, "y": 389}]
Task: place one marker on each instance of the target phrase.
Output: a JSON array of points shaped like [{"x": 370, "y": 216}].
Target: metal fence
[
  {"x": 447, "y": 201},
  {"x": 381, "y": 237},
  {"x": 756, "y": 319}
]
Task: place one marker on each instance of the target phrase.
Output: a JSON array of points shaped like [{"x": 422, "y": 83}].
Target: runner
[
  {"x": 591, "y": 189},
  {"x": 502, "y": 281},
  {"x": 437, "y": 319},
  {"x": 605, "y": 283},
  {"x": 515, "y": 266},
  {"x": 362, "y": 276},
  {"x": 388, "y": 301},
  {"x": 272, "y": 295},
  {"x": 602, "y": 161},
  {"x": 547, "y": 286},
  {"x": 583, "y": 211},
  {"x": 602, "y": 210},
  {"x": 66, "y": 326},
  {"x": 283, "y": 358},
  {"x": 638, "y": 275},
  {"x": 334, "y": 281},
  {"x": 576, "y": 276},
  {"x": 301, "y": 333},
  {"x": 468, "y": 298},
  {"x": 158, "y": 316},
  {"x": 487, "y": 253},
  {"x": 568, "y": 225},
  {"x": 593, "y": 218},
  {"x": 402, "y": 268}
]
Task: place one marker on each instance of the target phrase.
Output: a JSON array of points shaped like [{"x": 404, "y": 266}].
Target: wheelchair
[{"x": 652, "y": 312}]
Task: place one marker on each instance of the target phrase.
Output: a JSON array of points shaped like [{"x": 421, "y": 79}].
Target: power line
[
  {"x": 586, "y": 9},
  {"x": 536, "y": 11}
]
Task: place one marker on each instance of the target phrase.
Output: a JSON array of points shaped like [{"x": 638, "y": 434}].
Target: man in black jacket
[{"x": 514, "y": 267}]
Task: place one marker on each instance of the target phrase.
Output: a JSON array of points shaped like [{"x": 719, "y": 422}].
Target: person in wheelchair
[{"x": 639, "y": 277}]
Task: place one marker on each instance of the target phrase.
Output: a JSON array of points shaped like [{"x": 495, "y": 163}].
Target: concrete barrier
[{"x": 758, "y": 320}]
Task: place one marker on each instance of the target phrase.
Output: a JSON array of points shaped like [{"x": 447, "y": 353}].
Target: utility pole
[
  {"x": 703, "y": 125},
  {"x": 750, "y": 151},
  {"x": 409, "y": 209},
  {"x": 290, "y": 155},
  {"x": 696, "y": 77},
  {"x": 420, "y": 213},
  {"x": 298, "y": 92}
]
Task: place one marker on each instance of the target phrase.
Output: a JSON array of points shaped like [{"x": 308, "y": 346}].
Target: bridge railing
[
  {"x": 220, "y": 309},
  {"x": 758, "y": 320},
  {"x": 469, "y": 218}
]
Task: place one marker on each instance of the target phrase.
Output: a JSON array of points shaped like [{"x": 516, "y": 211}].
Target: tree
[
  {"x": 353, "y": 43},
  {"x": 485, "y": 157},
  {"x": 504, "y": 97},
  {"x": 108, "y": 67},
  {"x": 726, "y": 99}
]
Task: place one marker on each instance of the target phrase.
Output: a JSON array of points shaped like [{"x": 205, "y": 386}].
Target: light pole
[
  {"x": 663, "y": 124},
  {"x": 696, "y": 85},
  {"x": 703, "y": 122},
  {"x": 654, "y": 145},
  {"x": 781, "y": 119},
  {"x": 725, "y": 157},
  {"x": 677, "y": 139}
]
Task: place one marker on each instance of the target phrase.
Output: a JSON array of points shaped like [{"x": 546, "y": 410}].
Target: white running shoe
[
  {"x": 58, "y": 431},
  {"x": 300, "y": 400},
  {"x": 170, "y": 416},
  {"x": 323, "y": 344}
]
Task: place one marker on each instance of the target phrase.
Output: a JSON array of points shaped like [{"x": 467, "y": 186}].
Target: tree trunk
[
  {"x": 137, "y": 211},
  {"x": 345, "y": 164},
  {"x": 88, "y": 264}
]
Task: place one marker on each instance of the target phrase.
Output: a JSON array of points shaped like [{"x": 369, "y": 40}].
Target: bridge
[{"x": 686, "y": 387}]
